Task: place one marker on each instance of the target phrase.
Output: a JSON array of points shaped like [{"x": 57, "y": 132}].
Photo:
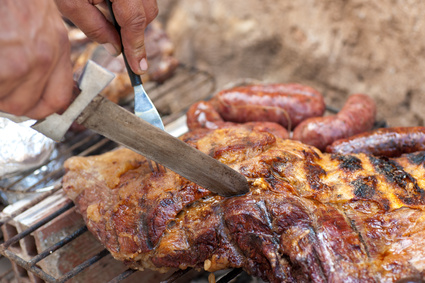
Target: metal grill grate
[{"x": 172, "y": 99}]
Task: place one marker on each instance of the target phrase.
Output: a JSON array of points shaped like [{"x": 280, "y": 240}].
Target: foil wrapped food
[{"x": 21, "y": 147}]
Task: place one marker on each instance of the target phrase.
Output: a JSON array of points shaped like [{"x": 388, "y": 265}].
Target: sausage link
[
  {"x": 285, "y": 104},
  {"x": 203, "y": 115},
  {"x": 357, "y": 116},
  {"x": 390, "y": 142}
]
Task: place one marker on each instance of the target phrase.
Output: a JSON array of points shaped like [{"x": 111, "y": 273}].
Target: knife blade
[
  {"x": 129, "y": 130},
  {"x": 143, "y": 106},
  {"x": 120, "y": 125},
  {"x": 125, "y": 128}
]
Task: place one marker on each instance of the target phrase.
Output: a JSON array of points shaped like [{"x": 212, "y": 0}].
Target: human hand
[
  {"x": 132, "y": 15},
  {"x": 35, "y": 66}
]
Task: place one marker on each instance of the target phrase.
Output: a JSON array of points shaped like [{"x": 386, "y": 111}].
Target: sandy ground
[{"x": 339, "y": 47}]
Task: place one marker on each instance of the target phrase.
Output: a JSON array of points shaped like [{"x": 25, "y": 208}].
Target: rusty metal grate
[{"x": 172, "y": 99}]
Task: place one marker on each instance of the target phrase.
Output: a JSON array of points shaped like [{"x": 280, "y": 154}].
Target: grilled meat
[{"x": 309, "y": 216}]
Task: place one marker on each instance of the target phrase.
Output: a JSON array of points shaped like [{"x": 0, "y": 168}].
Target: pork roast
[{"x": 309, "y": 216}]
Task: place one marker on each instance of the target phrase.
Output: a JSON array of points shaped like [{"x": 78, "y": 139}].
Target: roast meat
[{"x": 309, "y": 216}]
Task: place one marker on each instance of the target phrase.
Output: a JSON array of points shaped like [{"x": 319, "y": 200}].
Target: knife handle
[{"x": 134, "y": 78}]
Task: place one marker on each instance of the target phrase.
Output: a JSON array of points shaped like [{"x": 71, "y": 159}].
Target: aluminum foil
[{"x": 21, "y": 147}]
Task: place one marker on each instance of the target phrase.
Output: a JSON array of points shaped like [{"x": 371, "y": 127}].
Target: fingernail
[
  {"x": 143, "y": 65},
  {"x": 111, "y": 49}
]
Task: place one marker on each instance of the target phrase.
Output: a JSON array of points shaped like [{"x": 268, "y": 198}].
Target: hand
[
  {"x": 35, "y": 66},
  {"x": 132, "y": 15}
]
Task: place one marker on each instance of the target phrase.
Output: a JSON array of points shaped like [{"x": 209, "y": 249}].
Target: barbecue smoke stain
[
  {"x": 348, "y": 162},
  {"x": 364, "y": 188},
  {"x": 409, "y": 193}
]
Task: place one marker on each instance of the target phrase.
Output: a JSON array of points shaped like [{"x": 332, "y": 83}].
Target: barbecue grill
[{"x": 46, "y": 240}]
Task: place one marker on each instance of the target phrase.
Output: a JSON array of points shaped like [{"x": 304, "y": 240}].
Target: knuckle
[
  {"x": 44, "y": 58},
  {"x": 60, "y": 101},
  {"x": 152, "y": 13},
  {"x": 65, "y": 7},
  {"x": 18, "y": 109},
  {"x": 96, "y": 33},
  {"x": 136, "y": 23},
  {"x": 21, "y": 69}
]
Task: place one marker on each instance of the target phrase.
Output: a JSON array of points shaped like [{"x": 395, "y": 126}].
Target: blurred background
[{"x": 339, "y": 47}]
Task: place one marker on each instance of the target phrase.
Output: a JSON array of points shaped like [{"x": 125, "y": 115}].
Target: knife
[
  {"x": 120, "y": 125},
  {"x": 143, "y": 106}
]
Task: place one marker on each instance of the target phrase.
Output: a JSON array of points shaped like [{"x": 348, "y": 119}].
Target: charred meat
[{"x": 309, "y": 216}]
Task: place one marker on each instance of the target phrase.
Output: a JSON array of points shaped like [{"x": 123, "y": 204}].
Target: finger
[
  {"x": 13, "y": 69},
  {"x": 27, "y": 88},
  {"x": 151, "y": 10},
  {"x": 131, "y": 16},
  {"x": 25, "y": 95},
  {"x": 92, "y": 22},
  {"x": 57, "y": 94}
]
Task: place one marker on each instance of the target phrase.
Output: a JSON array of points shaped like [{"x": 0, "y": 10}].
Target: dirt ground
[{"x": 340, "y": 47}]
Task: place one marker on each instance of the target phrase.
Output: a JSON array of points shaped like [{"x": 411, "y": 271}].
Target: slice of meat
[{"x": 309, "y": 216}]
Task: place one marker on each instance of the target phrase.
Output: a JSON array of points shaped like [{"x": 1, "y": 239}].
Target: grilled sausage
[
  {"x": 286, "y": 104},
  {"x": 357, "y": 116},
  {"x": 203, "y": 115},
  {"x": 390, "y": 142}
]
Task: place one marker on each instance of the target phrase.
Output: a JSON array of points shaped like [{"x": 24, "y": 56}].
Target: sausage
[
  {"x": 285, "y": 104},
  {"x": 203, "y": 115},
  {"x": 357, "y": 116},
  {"x": 390, "y": 142}
]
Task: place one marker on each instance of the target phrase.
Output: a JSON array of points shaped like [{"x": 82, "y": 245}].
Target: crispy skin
[{"x": 308, "y": 217}]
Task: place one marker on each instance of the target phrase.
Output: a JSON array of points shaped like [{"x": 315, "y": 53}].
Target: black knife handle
[{"x": 134, "y": 78}]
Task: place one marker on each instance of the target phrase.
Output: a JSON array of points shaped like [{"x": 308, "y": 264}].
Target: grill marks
[
  {"x": 406, "y": 187},
  {"x": 365, "y": 188},
  {"x": 348, "y": 162},
  {"x": 314, "y": 173},
  {"x": 389, "y": 185}
]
